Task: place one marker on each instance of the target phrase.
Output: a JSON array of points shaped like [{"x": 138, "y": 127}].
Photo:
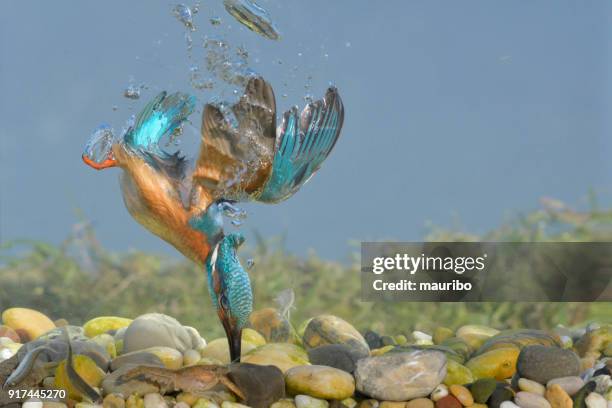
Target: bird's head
[{"x": 231, "y": 290}]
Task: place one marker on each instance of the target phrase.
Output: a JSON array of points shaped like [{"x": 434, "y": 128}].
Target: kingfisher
[{"x": 243, "y": 156}]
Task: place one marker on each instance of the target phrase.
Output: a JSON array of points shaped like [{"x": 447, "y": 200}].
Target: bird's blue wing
[
  {"x": 303, "y": 143},
  {"x": 160, "y": 117}
]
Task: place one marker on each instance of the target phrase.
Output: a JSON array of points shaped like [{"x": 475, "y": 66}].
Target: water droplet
[
  {"x": 132, "y": 92},
  {"x": 252, "y": 16},
  {"x": 195, "y": 9},
  {"x": 325, "y": 55},
  {"x": 242, "y": 53},
  {"x": 184, "y": 14},
  {"x": 115, "y": 108},
  {"x": 236, "y": 214},
  {"x": 348, "y": 44},
  {"x": 308, "y": 98},
  {"x": 299, "y": 54},
  {"x": 215, "y": 21},
  {"x": 284, "y": 95},
  {"x": 250, "y": 263},
  {"x": 100, "y": 143}
]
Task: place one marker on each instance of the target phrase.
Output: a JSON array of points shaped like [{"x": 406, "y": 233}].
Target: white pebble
[
  {"x": 439, "y": 392},
  {"x": 181, "y": 404},
  {"x": 508, "y": 404},
  {"x": 531, "y": 386},
  {"x": 602, "y": 382},
  {"x": 191, "y": 357},
  {"x": 154, "y": 400},
  {"x": 530, "y": 400},
  {"x": 571, "y": 385},
  {"x": 32, "y": 404},
  {"x": 594, "y": 400},
  {"x": 305, "y": 401}
]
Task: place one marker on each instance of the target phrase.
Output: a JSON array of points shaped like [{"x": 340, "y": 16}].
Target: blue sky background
[{"x": 470, "y": 110}]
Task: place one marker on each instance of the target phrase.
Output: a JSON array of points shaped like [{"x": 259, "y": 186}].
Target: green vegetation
[{"x": 79, "y": 280}]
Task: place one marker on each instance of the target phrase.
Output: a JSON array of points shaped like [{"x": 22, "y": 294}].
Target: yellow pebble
[{"x": 462, "y": 394}]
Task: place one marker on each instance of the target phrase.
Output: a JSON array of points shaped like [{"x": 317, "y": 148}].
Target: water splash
[
  {"x": 252, "y": 16},
  {"x": 215, "y": 21},
  {"x": 100, "y": 143},
  {"x": 285, "y": 300},
  {"x": 221, "y": 64},
  {"x": 132, "y": 92},
  {"x": 198, "y": 81},
  {"x": 236, "y": 214},
  {"x": 250, "y": 263},
  {"x": 184, "y": 14}
]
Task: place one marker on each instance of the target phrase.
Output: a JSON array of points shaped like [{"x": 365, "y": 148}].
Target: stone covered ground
[{"x": 325, "y": 362}]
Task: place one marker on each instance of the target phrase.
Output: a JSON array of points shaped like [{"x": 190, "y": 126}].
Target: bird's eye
[{"x": 224, "y": 302}]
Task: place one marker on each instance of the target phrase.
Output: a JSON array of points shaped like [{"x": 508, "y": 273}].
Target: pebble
[
  {"x": 230, "y": 404},
  {"x": 154, "y": 400},
  {"x": 420, "y": 403},
  {"x": 320, "y": 382},
  {"x": 595, "y": 400},
  {"x": 86, "y": 368},
  {"x": 401, "y": 376},
  {"x": 29, "y": 324},
  {"x": 339, "y": 356},
  {"x": 218, "y": 349},
  {"x": 462, "y": 394},
  {"x": 134, "y": 401},
  {"x": 501, "y": 394},
  {"x": 113, "y": 401},
  {"x": 482, "y": 389},
  {"x": 580, "y": 397},
  {"x": 368, "y": 403},
  {"x": 283, "y": 403},
  {"x": 187, "y": 397},
  {"x": 305, "y": 401},
  {"x": 180, "y": 405},
  {"x": 273, "y": 326},
  {"x": 392, "y": 404},
  {"x": 442, "y": 333},
  {"x": 475, "y": 335},
  {"x": 191, "y": 357},
  {"x": 261, "y": 385},
  {"x": 571, "y": 385},
  {"x": 55, "y": 404},
  {"x": 602, "y": 382},
  {"x": 448, "y": 402},
  {"x": 529, "y": 400},
  {"x": 282, "y": 355},
  {"x": 531, "y": 386},
  {"x": 32, "y": 404},
  {"x": 10, "y": 333},
  {"x": 108, "y": 342},
  {"x": 519, "y": 338},
  {"x": 169, "y": 357},
  {"x": 498, "y": 363},
  {"x": 328, "y": 329},
  {"x": 373, "y": 339},
  {"x": 349, "y": 403},
  {"x": 439, "y": 392},
  {"x": 103, "y": 324},
  {"x": 205, "y": 403},
  {"x": 156, "y": 329},
  {"x": 508, "y": 404},
  {"x": 457, "y": 374},
  {"x": 557, "y": 397},
  {"x": 544, "y": 363}
]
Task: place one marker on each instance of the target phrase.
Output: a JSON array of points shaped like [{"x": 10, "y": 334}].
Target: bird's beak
[
  {"x": 234, "y": 338},
  {"x": 109, "y": 162}
]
